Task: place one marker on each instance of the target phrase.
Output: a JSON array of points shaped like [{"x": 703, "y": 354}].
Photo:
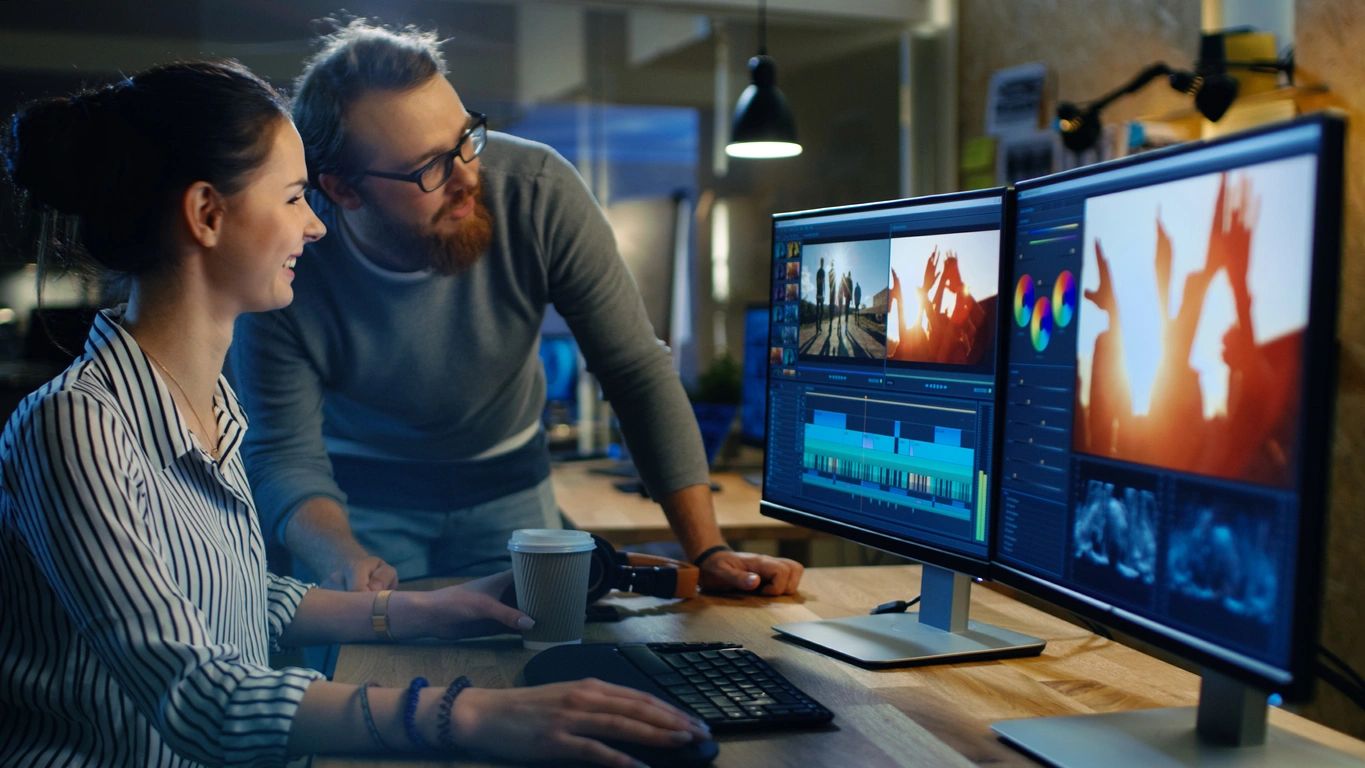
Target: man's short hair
[{"x": 355, "y": 59}]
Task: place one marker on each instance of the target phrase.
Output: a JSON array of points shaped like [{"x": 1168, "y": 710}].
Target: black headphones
[{"x": 651, "y": 575}]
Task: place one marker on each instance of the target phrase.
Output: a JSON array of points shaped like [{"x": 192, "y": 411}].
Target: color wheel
[
  {"x": 1041, "y": 329},
  {"x": 1023, "y": 301},
  {"x": 1064, "y": 299}
]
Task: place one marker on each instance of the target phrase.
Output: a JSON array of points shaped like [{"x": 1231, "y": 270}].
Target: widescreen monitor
[
  {"x": 753, "y": 390},
  {"x": 1167, "y": 415},
  {"x": 882, "y": 381}
]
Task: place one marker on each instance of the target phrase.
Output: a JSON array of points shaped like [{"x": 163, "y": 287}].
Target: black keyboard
[{"x": 728, "y": 686}]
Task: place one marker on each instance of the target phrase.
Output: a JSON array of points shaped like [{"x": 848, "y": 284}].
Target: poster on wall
[{"x": 1015, "y": 100}]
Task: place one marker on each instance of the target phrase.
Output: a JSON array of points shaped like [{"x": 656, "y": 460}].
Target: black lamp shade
[
  {"x": 763, "y": 125},
  {"x": 1216, "y": 95}
]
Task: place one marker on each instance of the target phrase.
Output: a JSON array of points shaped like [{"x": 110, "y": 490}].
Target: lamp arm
[
  {"x": 1132, "y": 86},
  {"x": 1285, "y": 65}
]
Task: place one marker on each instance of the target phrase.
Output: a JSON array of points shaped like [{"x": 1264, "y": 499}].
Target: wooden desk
[
  {"x": 932, "y": 715},
  {"x": 592, "y": 503}
]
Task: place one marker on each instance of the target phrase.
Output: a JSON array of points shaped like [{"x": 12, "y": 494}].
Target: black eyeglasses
[{"x": 437, "y": 172}]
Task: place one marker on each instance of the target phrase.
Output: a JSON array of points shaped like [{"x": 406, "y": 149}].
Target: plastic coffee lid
[{"x": 550, "y": 540}]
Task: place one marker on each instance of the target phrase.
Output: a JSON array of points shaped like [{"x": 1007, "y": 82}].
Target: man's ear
[
  {"x": 202, "y": 210},
  {"x": 340, "y": 191}
]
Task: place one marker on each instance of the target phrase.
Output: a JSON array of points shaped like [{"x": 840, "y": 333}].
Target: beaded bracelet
[
  {"x": 410, "y": 712},
  {"x": 444, "y": 728},
  {"x": 369, "y": 718}
]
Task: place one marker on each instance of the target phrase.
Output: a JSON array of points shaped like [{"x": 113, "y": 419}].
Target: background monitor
[
  {"x": 559, "y": 358},
  {"x": 1167, "y": 415},
  {"x": 753, "y": 396},
  {"x": 882, "y": 412}
]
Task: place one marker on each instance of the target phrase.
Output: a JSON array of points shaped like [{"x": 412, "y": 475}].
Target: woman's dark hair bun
[{"x": 51, "y": 144}]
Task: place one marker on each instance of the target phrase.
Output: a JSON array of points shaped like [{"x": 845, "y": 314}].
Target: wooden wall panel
[
  {"x": 1089, "y": 47},
  {"x": 1327, "y": 50}
]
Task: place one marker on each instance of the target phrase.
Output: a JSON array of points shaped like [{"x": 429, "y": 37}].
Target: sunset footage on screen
[
  {"x": 1191, "y": 327},
  {"x": 943, "y": 298}
]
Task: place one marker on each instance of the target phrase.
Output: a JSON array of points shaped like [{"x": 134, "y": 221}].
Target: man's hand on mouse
[{"x": 729, "y": 571}]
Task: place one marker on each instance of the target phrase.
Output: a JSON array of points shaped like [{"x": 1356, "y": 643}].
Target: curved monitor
[
  {"x": 1168, "y": 396},
  {"x": 882, "y": 374}
]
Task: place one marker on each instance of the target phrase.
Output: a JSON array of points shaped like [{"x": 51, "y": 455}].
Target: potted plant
[{"x": 715, "y": 401}]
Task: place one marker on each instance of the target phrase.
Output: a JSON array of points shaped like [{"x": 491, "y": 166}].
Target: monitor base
[
  {"x": 901, "y": 639},
  {"x": 940, "y": 632},
  {"x": 1154, "y": 737}
]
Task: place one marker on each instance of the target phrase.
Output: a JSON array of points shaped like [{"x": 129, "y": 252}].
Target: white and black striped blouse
[{"x": 136, "y": 612}]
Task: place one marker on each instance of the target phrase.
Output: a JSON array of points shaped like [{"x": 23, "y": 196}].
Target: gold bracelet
[{"x": 379, "y": 615}]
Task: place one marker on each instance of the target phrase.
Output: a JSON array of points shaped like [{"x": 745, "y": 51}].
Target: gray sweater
[{"x": 428, "y": 368}]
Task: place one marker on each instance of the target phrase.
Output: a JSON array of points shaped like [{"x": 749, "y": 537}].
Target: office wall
[
  {"x": 1327, "y": 49},
  {"x": 1092, "y": 46},
  {"x": 1089, "y": 46}
]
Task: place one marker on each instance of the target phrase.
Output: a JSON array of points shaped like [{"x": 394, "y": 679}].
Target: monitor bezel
[
  {"x": 1316, "y": 406},
  {"x": 767, "y": 308},
  {"x": 978, "y": 567}
]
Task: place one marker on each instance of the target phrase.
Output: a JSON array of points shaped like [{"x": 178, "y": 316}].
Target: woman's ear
[
  {"x": 202, "y": 209},
  {"x": 340, "y": 191}
]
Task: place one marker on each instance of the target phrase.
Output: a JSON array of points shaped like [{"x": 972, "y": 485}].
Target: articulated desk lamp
[{"x": 1210, "y": 84}]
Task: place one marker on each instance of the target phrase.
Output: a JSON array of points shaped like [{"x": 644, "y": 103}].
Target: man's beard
[{"x": 446, "y": 250}]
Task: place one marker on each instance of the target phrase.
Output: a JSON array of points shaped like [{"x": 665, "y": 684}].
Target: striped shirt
[{"x": 136, "y": 612}]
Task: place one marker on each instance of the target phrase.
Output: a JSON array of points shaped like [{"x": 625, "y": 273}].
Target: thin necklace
[{"x": 213, "y": 451}]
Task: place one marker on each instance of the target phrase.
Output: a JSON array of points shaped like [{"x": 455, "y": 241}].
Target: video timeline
[{"x": 893, "y": 457}]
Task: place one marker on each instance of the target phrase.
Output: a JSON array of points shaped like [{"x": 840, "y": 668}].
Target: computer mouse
[{"x": 695, "y": 753}]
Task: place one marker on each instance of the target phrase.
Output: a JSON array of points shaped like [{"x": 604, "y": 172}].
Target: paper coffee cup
[{"x": 550, "y": 568}]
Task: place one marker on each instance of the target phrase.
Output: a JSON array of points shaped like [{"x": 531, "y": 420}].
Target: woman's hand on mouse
[{"x": 564, "y": 721}]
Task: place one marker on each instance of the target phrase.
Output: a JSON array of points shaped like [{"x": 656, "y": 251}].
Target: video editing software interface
[
  {"x": 882, "y": 368},
  {"x": 1152, "y": 432}
]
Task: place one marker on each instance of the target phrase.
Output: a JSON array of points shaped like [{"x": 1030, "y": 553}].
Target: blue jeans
[{"x": 469, "y": 541}]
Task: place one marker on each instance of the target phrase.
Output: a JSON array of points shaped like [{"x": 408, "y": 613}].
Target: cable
[
  {"x": 895, "y": 606},
  {"x": 1342, "y": 666},
  {"x": 1338, "y": 681}
]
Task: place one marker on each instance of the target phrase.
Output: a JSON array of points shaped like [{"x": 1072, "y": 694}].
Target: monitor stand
[
  {"x": 940, "y": 632},
  {"x": 1229, "y": 729}
]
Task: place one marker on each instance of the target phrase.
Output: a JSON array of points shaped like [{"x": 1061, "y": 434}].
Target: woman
[{"x": 136, "y": 613}]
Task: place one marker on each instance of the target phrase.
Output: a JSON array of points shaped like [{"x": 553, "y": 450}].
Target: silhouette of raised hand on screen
[
  {"x": 1233, "y": 242},
  {"x": 1103, "y": 295},
  {"x": 1258, "y": 397},
  {"x": 893, "y": 295},
  {"x": 952, "y": 277},
  {"x": 1107, "y": 421},
  {"x": 930, "y": 272},
  {"x": 1163, "y": 269},
  {"x": 1234, "y": 217},
  {"x": 959, "y": 342}
]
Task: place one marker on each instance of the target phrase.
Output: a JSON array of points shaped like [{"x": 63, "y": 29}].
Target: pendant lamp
[{"x": 763, "y": 126}]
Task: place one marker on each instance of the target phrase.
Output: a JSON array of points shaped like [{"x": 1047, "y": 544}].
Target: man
[
  {"x": 819, "y": 293},
  {"x": 396, "y": 403},
  {"x": 831, "y": 296}
]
